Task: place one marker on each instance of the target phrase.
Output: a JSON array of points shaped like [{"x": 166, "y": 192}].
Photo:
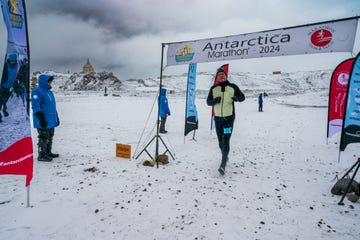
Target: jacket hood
[
  {"x": 163, "y": 91},
  {"x": 43, "y": 79},
  {"x": 12, "y": 57}
]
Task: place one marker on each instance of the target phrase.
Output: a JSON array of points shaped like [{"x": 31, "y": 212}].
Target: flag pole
[
  {"x": 157, "y": 136},
  {"x": 186, "y": 102},
  {"x": 28, "y": 88},
  {"x": 28, "y": 196},
  {"x": 158, "y": 115}
]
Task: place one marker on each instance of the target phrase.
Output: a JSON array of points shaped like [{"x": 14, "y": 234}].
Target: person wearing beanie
[
  {"x": 221, "y": 70},
  {"x": 222, "y": 96},
  {"x": 45, "y": 116}
]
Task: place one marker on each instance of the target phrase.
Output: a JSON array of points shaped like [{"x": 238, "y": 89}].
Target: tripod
[
  {"x": 157, "y": 136},
  {"x": 357, "y": 165}
]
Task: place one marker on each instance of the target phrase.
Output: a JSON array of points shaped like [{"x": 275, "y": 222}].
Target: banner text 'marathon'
[{"x": 238, "y": 48}]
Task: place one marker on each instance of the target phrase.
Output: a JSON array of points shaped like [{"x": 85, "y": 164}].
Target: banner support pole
[
  {"x": 157, "y": 136},
  {"x": 186, "y": 102},
  {"x": 158, "y": 115},
  {"x": 194, "y": 135}
]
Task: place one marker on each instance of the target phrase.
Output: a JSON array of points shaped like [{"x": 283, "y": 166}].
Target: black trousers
[
  {"x": 162, "y": 124},
  {"x": 4, "y": 97},
  {"x": 45, "y": 136},
  {"x": 224, "y": 127}
]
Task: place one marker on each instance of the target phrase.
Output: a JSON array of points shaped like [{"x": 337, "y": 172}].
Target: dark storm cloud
[
  {"x": 97, "y": 12},
  {"x": 122, "y": 18}
]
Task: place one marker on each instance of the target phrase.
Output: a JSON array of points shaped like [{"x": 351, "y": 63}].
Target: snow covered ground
[{"x": 277, "y": 183}]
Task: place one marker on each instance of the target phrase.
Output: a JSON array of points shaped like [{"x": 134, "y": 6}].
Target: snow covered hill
[{"x": 253, "y": 84}]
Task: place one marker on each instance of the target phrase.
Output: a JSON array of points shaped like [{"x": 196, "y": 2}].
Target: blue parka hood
[
  {"x": 12, "y": 57},
  {"x": 43, "y": 80},
  {"x": 163, "y": 92}
]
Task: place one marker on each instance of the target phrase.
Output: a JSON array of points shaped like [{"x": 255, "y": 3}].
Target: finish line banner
[{"x": 335, "y": 36}]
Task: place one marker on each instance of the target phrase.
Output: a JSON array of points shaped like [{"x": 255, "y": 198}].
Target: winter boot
[
  {"x": 42, "y": 148},
  {"x": 48, "y": 151},
  {"x": 43, "y": 156},
  {"x": 221, "y": 170},
  {"x": 223, "y": 165},
  {"x": 53, "y": 155}
]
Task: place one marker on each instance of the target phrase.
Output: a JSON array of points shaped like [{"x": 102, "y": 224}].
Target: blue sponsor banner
[
  {"x": 351, "y": 127},
  {"x": 191, "y": 118}
]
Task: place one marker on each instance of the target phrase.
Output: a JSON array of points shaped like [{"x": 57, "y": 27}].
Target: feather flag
[
  {"x": 16, "y": 150},
  {"x": 337, "y": 96},
  {"x": 351, "y": 127},
  {"x": 191, "y": 118}
]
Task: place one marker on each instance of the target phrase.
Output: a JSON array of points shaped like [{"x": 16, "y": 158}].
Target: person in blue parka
[
  {"x": 11, "y": 68},
  {"x": 164, "y": 109},
  {"x": 45, "y": 116},
  {"x": 260, "y": 101}
]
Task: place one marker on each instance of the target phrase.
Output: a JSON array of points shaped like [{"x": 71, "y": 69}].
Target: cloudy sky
[{"x": 125, "y": 36}]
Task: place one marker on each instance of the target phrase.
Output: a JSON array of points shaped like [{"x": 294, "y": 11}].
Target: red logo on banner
[
  {"x": 321, "y": 37},
  {"x": 343, "y": 78}
]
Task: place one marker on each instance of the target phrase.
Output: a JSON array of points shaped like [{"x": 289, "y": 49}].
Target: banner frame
[{"x": 275, "y": 29}]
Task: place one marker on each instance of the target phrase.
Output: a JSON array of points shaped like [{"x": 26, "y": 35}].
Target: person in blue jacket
[
  {"x": 260, "y": 101},
  {"x": 164, "y": 109},
  {"x": 10, "y": 71},
  {"x": 45, "y": 116}
]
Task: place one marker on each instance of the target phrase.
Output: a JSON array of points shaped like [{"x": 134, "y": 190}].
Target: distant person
[
  {"x": 260, "y": 101},
  {"x": 222, "y": 96},
  {"x": 10, "y": 71},
  {"x": 105, "y": 91},
  {"x": 45, "y": 116},
  {"x": 164, "y": 109},
  {"x": 21, "y": 84}
]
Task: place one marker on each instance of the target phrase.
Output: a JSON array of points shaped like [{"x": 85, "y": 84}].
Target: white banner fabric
[{"x": 336, "y": 36}]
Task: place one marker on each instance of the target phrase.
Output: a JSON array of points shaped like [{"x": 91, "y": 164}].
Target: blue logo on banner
[{"x": 185, "y": 54}]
